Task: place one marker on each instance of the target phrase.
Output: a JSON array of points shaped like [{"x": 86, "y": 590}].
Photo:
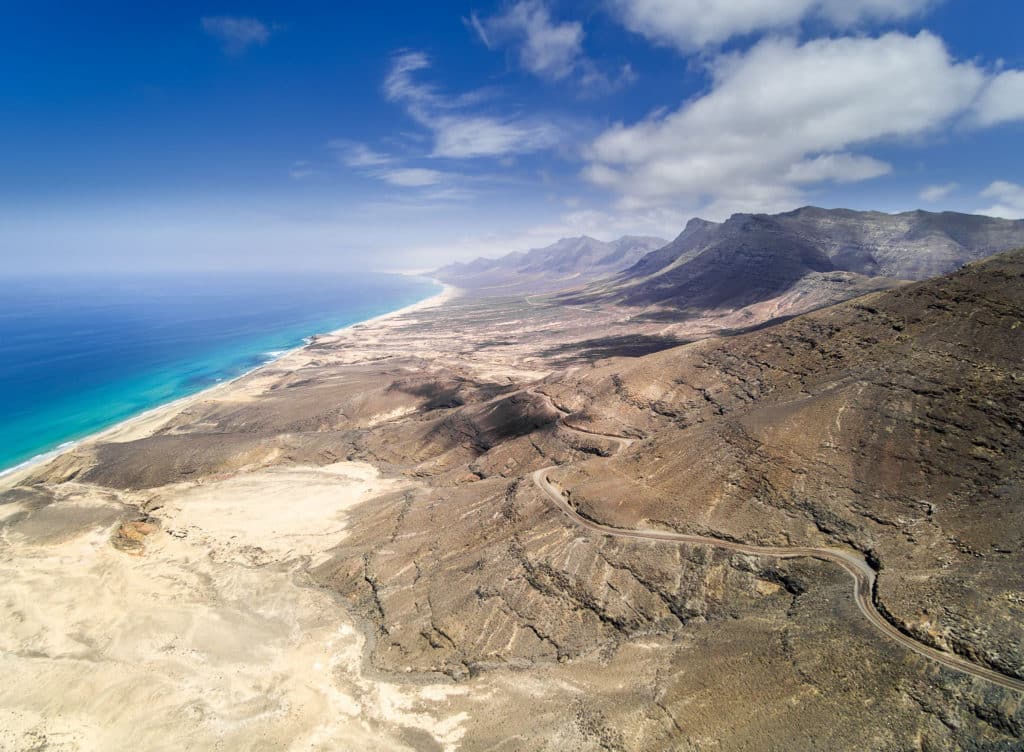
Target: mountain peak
[
  {"x": 751, "y": 258},
  {"x": 571, "y": 261}
]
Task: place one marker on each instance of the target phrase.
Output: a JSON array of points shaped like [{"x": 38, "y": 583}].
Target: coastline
[
  {"x": 351, "y": 548},
  {"x": 11, "y": 475}
]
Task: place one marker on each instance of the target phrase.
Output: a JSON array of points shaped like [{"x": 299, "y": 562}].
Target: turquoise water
[{"x": 77, "y": 356}]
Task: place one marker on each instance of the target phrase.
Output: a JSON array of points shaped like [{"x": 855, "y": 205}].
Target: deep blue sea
[{"x": 78, "y": 355}]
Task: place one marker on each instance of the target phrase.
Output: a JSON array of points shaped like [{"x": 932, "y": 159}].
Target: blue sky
[{"x": 401, "y": 135}]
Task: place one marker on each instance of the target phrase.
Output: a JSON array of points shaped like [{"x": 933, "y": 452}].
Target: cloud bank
[
  {"x": 690, "y": 25},
  {"x": 1009, "y": 199},
  {"x": 783, "y": 116}
]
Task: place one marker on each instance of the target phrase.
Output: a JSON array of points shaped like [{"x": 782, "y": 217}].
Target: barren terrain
[{"x": 349, "y": 548}]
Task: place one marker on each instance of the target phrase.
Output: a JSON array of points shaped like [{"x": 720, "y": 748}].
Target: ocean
[{"x": 79, "y": 355}]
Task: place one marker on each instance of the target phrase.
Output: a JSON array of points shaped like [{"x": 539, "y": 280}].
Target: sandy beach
[
  {"x": 199, "y": 633},
  {"x": 139, "y": 425},
  {"x": 186, "y": 614},
  {"x": 307, "y": 633},
  {"x": 343, "y": 549}
]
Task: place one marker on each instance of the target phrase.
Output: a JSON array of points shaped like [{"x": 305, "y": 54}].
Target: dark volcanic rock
[
  {"x": 891, "y": 424},
  {"x": 756, "y": 257}
]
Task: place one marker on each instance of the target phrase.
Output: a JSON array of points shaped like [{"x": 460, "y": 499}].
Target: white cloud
[
  {"x": 935, "y": 193},
  {"x": 399, "y": 85},
  {"x": 1009, "y": 199},
  {"x": 412, "y": 177},
  {"x": 383, "y": 166},
  {"x": 449, "y": 194},
  {"x": 300, "y": 170},
  {"x": 782, "y": 116},
  {"x": 592, "y": 80},
  {"x": 692, "y": 24},
  {"x": 1002, "y": 100},
  {"x": 481, "y": 31},
  {"x": 477, "y": 136},
  {"x": 355, "y": 154},
  {"x": 236, "y": 33},
  {"x": 458, "y": 133},
  {"x": 842, "y": 168},
  {"x": 547, "y": 49}
]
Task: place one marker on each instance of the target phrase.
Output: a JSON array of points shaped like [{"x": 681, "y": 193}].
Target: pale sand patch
[
  {"x": 275, "y": 514},
  {"x": 398, "y": 412},
  {"x": 182, "y": 649}
]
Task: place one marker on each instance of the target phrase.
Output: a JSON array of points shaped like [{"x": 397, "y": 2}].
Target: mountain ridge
[
  {"x": 570, "y": 262},
  {"x": 750, "y": 258}
]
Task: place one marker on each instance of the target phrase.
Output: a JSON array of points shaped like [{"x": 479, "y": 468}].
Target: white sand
[
  {"x": 207, "y": 641},
  {"x": 277, "y": 514},
  {"x": 208, "y": 638}
]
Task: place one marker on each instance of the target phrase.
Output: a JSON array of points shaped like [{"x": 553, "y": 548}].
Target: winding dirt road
[{"x": 853, "y": 563}]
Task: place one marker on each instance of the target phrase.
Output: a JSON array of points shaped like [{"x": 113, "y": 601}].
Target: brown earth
[{"x": 890, "y": 425}]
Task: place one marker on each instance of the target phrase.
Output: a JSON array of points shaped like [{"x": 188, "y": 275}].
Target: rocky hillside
[
  {"x": 568, "y": 263},
  {"x": 891, "y": 424},
  {"x": 751, "y": 258}
]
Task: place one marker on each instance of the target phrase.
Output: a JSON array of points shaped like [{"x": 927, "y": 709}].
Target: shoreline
[{"x": 445, "y": 294}]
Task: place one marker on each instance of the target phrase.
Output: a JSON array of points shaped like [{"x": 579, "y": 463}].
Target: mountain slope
[
  {"x": 890, "y": 424},
  {"x": 755, "y": 257},
  {"x": 567, "y": 263}
]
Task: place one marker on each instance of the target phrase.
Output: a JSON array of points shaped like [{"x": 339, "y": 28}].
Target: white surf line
[{"x": 444, "y": 295}]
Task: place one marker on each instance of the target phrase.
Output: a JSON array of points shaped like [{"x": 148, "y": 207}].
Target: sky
[{"x": 402, "y": 135}]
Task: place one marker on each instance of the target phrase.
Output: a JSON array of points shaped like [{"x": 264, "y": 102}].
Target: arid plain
[{"x": 346, "y": 549}]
